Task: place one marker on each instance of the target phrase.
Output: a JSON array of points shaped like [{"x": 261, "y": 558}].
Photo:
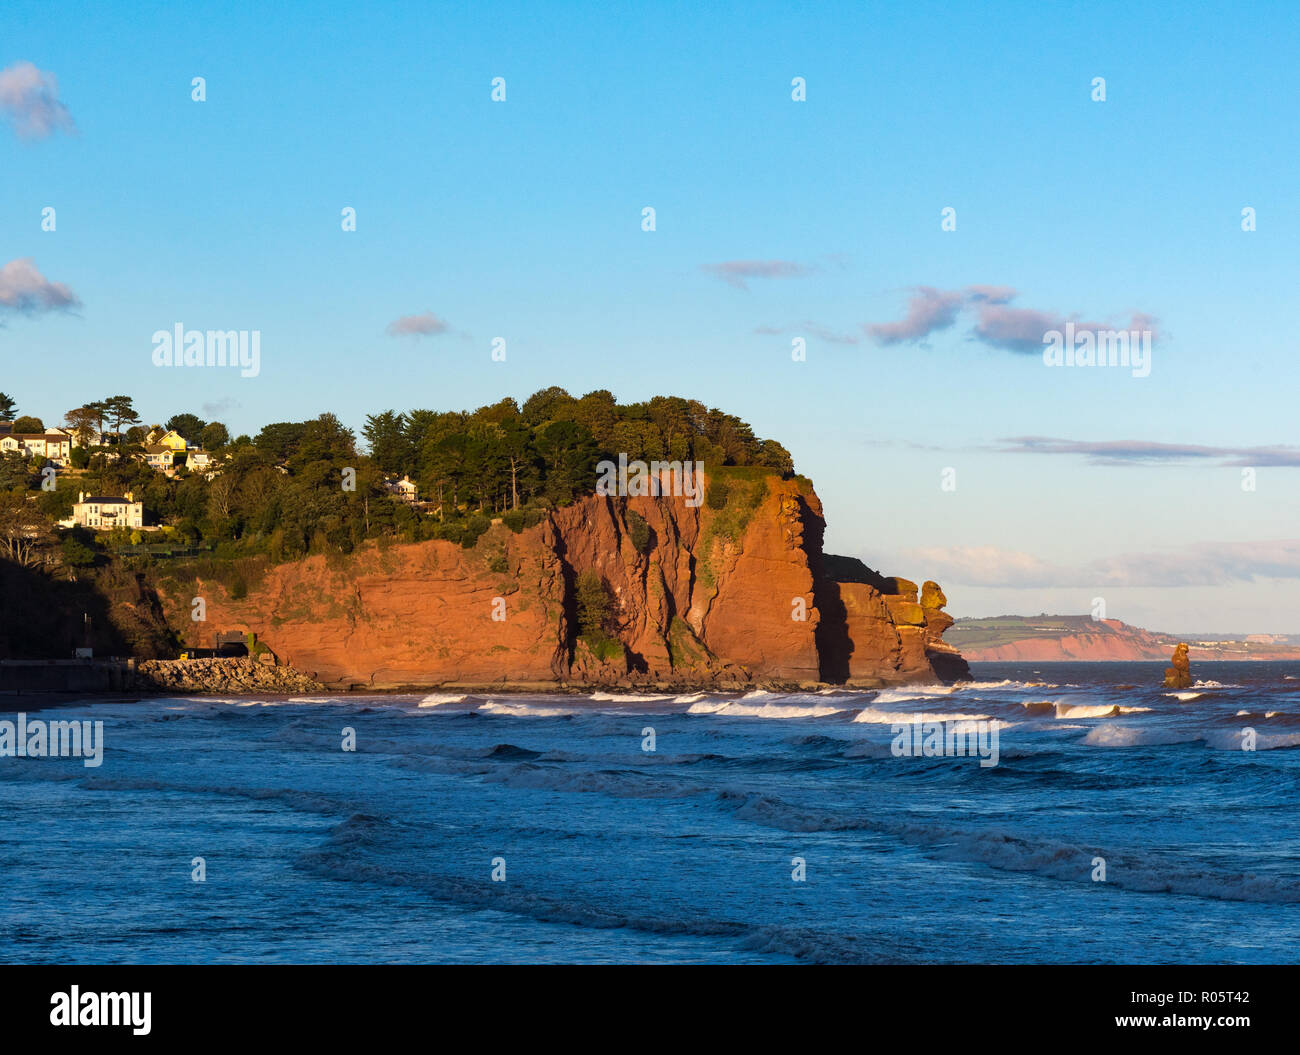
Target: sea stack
[{"x": 1179, "y": 676}]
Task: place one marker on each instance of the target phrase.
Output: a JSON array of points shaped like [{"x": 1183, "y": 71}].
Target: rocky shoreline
[{"x": 220, "y": 676}]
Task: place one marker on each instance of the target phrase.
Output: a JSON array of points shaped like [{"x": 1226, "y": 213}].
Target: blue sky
[{"x": 522, "y": 220}]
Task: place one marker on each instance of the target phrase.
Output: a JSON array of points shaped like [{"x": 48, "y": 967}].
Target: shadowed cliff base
[{"x": 110, "y": 610}]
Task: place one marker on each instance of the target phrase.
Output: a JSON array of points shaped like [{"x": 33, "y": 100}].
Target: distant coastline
[{"x": 1080, "y": 638}]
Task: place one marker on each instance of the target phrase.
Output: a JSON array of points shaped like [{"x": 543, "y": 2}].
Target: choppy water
[{"x": 616, "y": 854}]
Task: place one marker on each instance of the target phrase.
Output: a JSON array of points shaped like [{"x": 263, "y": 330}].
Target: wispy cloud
[
  {"x": 1200, "y": 564},
  {"x": 24, "y": 289},
  {"x": 982, "y": 566},
  {"x": 1148, "y": 452},
  {"x": 738, "y": 273},
  {"x": 220, "y": 406},
  {"x": 808, "y": 329},
  {"x": 29, "y": 100},
  {"x": 423, "y": 325},
  {"x": 996, "y": 322},
  {"x": 928, "y": 311}
]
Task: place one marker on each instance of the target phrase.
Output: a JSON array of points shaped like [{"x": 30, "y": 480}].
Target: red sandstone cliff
[{"x": 731, "y": 594}]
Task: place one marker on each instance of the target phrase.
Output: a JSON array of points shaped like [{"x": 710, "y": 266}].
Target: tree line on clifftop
[{"x": 280, "y": 493}]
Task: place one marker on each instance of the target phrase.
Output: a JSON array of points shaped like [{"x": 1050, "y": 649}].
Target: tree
[
  {"x": 390, "y": 446},
  {"x": 772, "y": 454},
  {"x": 550, "y": 404},
  {"x": 188, "y": 425},
  {"x": 100, "y": 409},
  {"x": 82, "y": 422},
  {"x": 447, "y": 462},
  {"x": 27, "y": 423},
  {"x": 570, "y": 456},
  {"x": 324, "y": 439},
  {"x": 120, "y": 410},
  {"x": 520, "y": 456},
  {"x": 76, "y": 554},
  {"x": 8, "y": 408},
  {"x": 214, "y": 436},
  {"x": 24, "y": 532},
  {"x": 15, "y": 472},
  {"x": 280, "y": 439}
]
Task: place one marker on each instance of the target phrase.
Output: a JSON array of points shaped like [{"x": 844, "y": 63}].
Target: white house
[
  {"x": 404, "y": 489},
  {"x": 104, "y": 513},
  {"x": 56, "y": 446},
  {"x": 198, "y": 460},
  {"x": 162, "y": 458}
]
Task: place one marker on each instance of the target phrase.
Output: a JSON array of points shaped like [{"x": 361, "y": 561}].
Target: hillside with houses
[{"x": 102, "y": 496}]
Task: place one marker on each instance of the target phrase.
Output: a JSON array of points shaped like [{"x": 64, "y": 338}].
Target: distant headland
[{"x": 1048, "y": 638}]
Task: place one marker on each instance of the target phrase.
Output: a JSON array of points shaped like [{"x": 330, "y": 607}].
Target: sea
[{"x": 1117, "y": 822}]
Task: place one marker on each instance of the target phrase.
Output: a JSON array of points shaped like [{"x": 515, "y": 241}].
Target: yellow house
[{"x": 170, "y": 438}]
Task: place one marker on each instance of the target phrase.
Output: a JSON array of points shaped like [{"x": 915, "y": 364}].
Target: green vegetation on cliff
[{"x": 307, "y": 487}]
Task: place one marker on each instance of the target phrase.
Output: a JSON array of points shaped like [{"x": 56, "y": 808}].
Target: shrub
[
  {"x": 475, "y": 527},
  {"x": 595, "y": 606},
  {"x": 76, "y": 554},
  {"x": 639, "y": 531},
  {"x": 719, "y": 489}
]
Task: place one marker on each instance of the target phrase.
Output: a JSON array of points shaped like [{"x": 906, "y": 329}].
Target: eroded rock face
[{"x": 730, "y": 594}]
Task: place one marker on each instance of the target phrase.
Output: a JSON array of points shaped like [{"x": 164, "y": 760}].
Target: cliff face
[{"x": 731, "y": 594}]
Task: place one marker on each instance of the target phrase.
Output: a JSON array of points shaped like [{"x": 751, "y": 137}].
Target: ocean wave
[
  {"x": 868, "y": 749},
  {"x": 739, "y": 709},
  {"x": 525, "y": 710},
  {"x": 441, "y": 700},
  {"x": 627, "y": 697},
  {"x": 919, "y": 692},
  {"x": 1233, "y": 740},
  {"x": 1037, "y": 856},
  {"x": 620, "y": 783},
  {"x": 339, "y": 859},
  {"x": 1133, "y": 736},
  {"x": 1096, "y": 710},
  {"x": 1184, "y": 697},
  {"x": 874, "y": 716},
  {"x": 1005, "y": 683}
]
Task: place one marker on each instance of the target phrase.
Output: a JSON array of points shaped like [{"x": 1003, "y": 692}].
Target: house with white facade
[
  {"x": 105, "y": 512},
  {"x": 198, "y": 460},
  {"x": 56, "y": 446},
  {"x": 405, "y": 489}
]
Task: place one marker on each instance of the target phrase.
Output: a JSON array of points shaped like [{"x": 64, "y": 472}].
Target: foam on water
[
  {"x": 875, "y": 716},
  {"x": 441, "y": 699},
  {"x": 740, "y": 709},
  {"x": 677, "y": 847},
  {"x": 1096, "y": 710}
]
